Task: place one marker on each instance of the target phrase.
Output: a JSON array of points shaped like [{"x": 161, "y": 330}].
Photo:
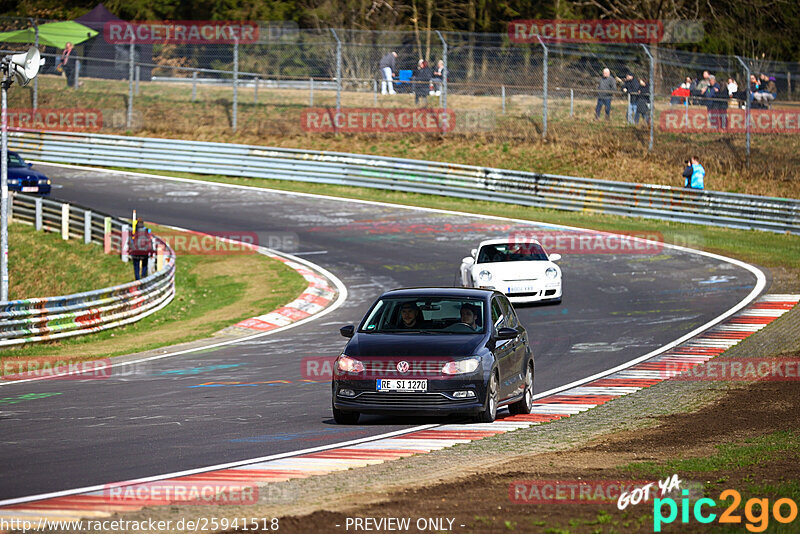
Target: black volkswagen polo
[{"x": 435, "y": 351}]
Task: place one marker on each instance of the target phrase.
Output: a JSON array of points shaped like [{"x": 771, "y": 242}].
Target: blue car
[{"x": 23, "y": 179}]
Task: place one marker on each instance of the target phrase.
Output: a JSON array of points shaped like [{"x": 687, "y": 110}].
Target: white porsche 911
[{"x": 521, "y": 270}]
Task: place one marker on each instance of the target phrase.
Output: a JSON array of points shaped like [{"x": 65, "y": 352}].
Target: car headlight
[
  {"x": 551, "y": 273},
  {"x": 460, "y": 367},
  {"x": 44, "y": 181},
  {"x": 485, "y": 276},
  {"x": 346, "y": 364},
  {"x": 13, "y": 181}
]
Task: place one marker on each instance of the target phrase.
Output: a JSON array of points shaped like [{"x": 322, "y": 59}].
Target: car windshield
[
  {"x": 429, "y": 315},
  {"x": 15, "y": 161},
  {"x": 501, "y": 252}
]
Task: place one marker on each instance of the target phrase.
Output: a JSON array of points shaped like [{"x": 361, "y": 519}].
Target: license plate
[
  {"x": 392, "y": 384},
  {"x": 521, "y": 289},
  {"x": 30, "y": 189}
]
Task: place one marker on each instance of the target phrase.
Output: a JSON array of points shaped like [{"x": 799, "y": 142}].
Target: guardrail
[
  {"x": 45, "y": 319},
  {"x": 463, "y": 181}
]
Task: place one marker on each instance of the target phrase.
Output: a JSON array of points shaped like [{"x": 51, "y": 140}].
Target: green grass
[
  {"x": 42, "y": 264},
  {"x": 764, "y": 248},
  {"x": 729, "y": 456},
  {"x": 211, "y": 293}
]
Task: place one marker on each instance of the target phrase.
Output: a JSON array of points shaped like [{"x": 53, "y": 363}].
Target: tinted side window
[
  {"x": 509, "y": 313},
  {"x": 497, "y": 314}
]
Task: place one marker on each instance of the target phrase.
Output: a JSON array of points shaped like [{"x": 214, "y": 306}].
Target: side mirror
[
  {"x": 474, "y": 252},
  {"x": 347, "y": 331},
  {"x": 506, "y": 333},
  {"x": 554, "y": 257},
  {"x": 468, "y": 260},
  {"x": 29, "y": 164}
]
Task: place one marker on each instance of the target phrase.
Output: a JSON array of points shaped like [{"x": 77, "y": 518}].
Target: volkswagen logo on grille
[{"x": 403, "y": 366}]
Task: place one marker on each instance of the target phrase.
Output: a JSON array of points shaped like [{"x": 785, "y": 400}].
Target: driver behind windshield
[
  {"x": 469, "y": 316},
  {"x": 411, "y": 316}
]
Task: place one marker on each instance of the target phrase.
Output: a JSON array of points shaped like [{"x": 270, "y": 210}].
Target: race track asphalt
[{"x": 176, "y": 413}]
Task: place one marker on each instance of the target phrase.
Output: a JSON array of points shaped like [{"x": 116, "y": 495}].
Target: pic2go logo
[{"x": 756, "y": 511}]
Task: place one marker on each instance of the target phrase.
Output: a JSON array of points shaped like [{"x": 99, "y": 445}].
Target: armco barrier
[
  {"x": 43, "y": 319},
  {"x": 461, "y": 181}
]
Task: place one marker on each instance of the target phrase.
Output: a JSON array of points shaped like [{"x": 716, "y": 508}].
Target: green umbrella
[{"x": 56, "y": 34}]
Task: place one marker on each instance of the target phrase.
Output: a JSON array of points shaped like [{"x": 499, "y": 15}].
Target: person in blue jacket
[{"x": 693, "y": 174}]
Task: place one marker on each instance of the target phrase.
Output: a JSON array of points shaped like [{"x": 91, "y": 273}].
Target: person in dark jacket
[
  {"x": 422, "y": 81},
  {"x": 605, "y": 90},
  {"x": 140, "y": 246},
  {"x": 642, "y": 102},
  {"x": 388, "y": 67},
  {"x": 630, "y": 88}
]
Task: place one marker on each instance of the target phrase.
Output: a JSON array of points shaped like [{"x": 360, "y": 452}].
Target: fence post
[
  {"x": 107, "y": 235},
  {"x": 235, "y": 83},
  {"x": 571, "y": 102},
  {"x": 123, "y": 245},
  {"x": 36, "y": 79},
  {"x": 375, "y": 93},
  {"x": 87, "y": 226},
  {"x": 65, "y": 221},
  {"x": 338, "y": 71},
  {"x": 788, "y": 84},
  {"x": 747, "y": 107},
  {"x": 129, "y": 119},
  {"x": 11, "y": 206},
  {"x": 444, "y": 75},
  {"x": 503, "y": 97},
  {"x": 77, "y": 74},
  {"x": 38, "y": 218},
  {"x": 194, "y": 85},
  {"x": 652, "y": 95},
  {"x": 544, "y": 88},
  {"x": 255, "y": 91},
  {"x": 311, "y": 92},
  {"x": 138, "y": 75}
]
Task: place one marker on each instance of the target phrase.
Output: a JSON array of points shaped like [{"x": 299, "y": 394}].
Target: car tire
[
  {"x": 523, "y": 406},
  {"x": 345, "y": 418},
  {"x": 489, "y": 412}
]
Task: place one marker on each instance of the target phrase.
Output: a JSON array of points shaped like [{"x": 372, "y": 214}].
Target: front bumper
[
  {"x": 438, "y": 400},
  {"x": 526, "y": 292}
]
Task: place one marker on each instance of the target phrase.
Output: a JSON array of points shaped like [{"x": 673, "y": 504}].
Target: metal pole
[
  {"x": 544, "y": 88},
  {"x": 503, "y": 97},
  {"x": 87, "y": 226},
  {"x": 338, "y": 71},
  {"x": 311, "y": 92},
  {"x": 138, "y": 74},
  {"x": 235, "y": 82},
  {"x": 375, "y": 93},
  {"x": 194, "y": 85},
  {"x": 255, "y": 91},
  {"x": 129, "y": 120},
  {"x": 444, "y": 75},
  {"x": 652, "y": 96},
  {"x": 747, "y": 107},
  {"x": 77, "y": 82},
  {"x": 38, "y": 217},
  {"x": 36, "y": 80},
  {"x": 4, "y": 194}
]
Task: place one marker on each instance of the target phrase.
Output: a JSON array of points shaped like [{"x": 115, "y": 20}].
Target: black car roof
[{"x": 459, "y": 292}]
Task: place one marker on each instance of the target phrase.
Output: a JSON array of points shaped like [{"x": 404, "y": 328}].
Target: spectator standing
[
  {"x": 721, "y": 106},
  {"x": 141, "y": 249},
  {"x": 388, "y": 67},
  {"x": 695, "y": 178},
  {"x": 642, "y": 102},
  {"x": 605, "y": 91},
  {"x": 421, "y": 81},
  {"x": 630, "y": 88},
  {"x": 733, "y": 87},
  {"x": 438, "y": 76},
  {"x": 66, "y": 66}
]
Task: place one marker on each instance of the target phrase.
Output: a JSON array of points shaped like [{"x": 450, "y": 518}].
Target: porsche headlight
[
  {"x": 551, "y": 273},
  {"x": 485, "y": 276}
]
